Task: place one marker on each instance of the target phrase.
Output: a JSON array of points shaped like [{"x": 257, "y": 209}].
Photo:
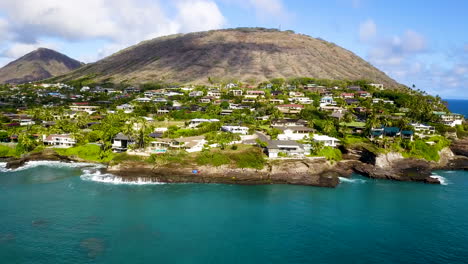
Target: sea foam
[
  {"x": 342, "y": 179},
  {"x": 47, "y": 163},
  {"x": 442, "y": 180},
  {"x": 98, "y": 176}
]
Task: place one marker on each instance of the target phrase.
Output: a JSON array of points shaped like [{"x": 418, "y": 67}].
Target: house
[
  {"x": 189, "y": 144},
  {"x": 379, "y": 100},
  {"x": 450, "y": 119},
  {"x": 59, "y": 140},
  {"x": 277, "y": 101},
  {"x": 196, "y": 122},
  {"x": 205, "y": 100},
  {"x": 354, "y": 88},
  {"x": 347, "y": 95},
  {"x": 407, "y": 134},
  {"x": 231, "y": 85},
  {"x": 326, "y": 140},
  {"x": 296, "y": 94},
  {"x": 363, "y": 94},
  {"x": 378, "y": 86},
  {"x": 26, "y": 122},
  {"x": 121, "y": 142},
  {"x": 356, "y": 127},
  {"x": 290, "y": 108},
  {"x": 127, "y": 108},
  {"x": 288, "y": 122},
  {"x": 301, "y": 100},
  {"x": 214, "y": 93},
  {"x": 423, "y": 129},
  {"x": 327, "y": 100},
  {"x": 384, "y": 132},
  {"x": 84, "y": 108},
  {"x": 294, "y": 132},
  {"x": 276, "y": 93},
  {"x": 236, "y": 92},
  {"x": 236, "y": 129},
  {"x": 143, "y": 100},
  {"x": 288, "y": 148},
  {"x": 196, "y": 94}
]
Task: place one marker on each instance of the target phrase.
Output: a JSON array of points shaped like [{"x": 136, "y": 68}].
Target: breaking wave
[
  {"x": 442, "y": 180},
  {"x": 56, "y": 164},
  {"x": 342, "y": 179},
  {"x": 98, "y": 176}
]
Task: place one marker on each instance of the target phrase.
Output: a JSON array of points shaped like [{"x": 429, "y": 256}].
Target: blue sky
[{"x": 415, "y": 42}]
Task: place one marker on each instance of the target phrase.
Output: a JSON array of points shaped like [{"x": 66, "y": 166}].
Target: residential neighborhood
[{"x": 296, "y": 119}]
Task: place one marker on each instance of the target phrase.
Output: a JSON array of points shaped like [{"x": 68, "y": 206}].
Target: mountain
[
  {"x": 245, "y": 54},
  {"x": 37, "y": 65}
]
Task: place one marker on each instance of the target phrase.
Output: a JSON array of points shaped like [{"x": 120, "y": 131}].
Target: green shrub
[
  {"x": 212, "y": 158},
  {"x": 89, "y": 152},
  {"x": 330, "y": 153},
  {"x": 6, "y": 151}
]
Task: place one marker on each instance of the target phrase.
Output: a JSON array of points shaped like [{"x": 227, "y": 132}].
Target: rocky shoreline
[{"x": 310, "y": 171}]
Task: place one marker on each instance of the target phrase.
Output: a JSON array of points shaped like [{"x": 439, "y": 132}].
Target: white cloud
[
  {"x": 120, "y": 22},
  {"x": 367, "y": 30},
  {"x": 199, "y": 15},
  {"x": 268, "y": 7},
  {"x": 17, "y": 50}
]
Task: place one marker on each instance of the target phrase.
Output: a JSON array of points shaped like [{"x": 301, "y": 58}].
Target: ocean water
[
  {"x": 71, "y": 214},
  {"x": 458, "y": 106}
]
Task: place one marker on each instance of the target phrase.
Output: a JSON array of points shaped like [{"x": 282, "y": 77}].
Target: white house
[
  {"x": 121, "y": 142},
  {"x": 26, "y": 122},
  {"x": 189, "y": 144},
  {"x": 197, "y": 121},
  {"x": 127, "y": 108},
  {"x": 214, "y": 93},
  {"x": 326, "y": 140},
  {"x": 59, "y": 141},
  {"x": 377, "y": 85},
  {"x": 84, "y": 108},
  {"x": 236, "y": 92},
  {"x": 424, "y": 129},
  {"x": 143, "y": 100},
  {"x": 294, "y": 132},
  {"x": 327, "y": 100},
  {"x": 288, "y": 148},
  {"x": 196, "y": 94},
  {"x": 236, "y": 129},
  {"x": 301, "y": 100}
]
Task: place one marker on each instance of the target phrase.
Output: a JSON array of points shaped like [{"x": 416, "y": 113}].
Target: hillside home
[
  {"x": 59, "y": 141},
  {"x": 236, "y": 129},
  {"x": 127, "y": 108},
  {"x": 363, "y": 94},
  {"x": 379, "y": 100},
  {"x": 384, "y": 132},
  {"x": 160, "y": 100},
  {"x": 121, "y": 142},
  {"x": 301, "y": 100},
  {"x": 196, "y": 122},
  {"x": 231, "y": 85},
  {"x": 354, "y": 88},
  {"x": 288, "y": 122},
  {"x": 236, "y": 92},
  {"x": 327, "y": 100},
  {"x": 277, "y": 101},
  {"x": 450, "y": 119},
  {"x": 326, "y": 140},
  {"x": 423, "y": 129},
  {"x": 378, "y": 86},
  {"x": 206, "y": 99},
  {"x": 214, "y": 93},
  {"x": 347, "y": 95},
  {"x": 189, "y": 144},
  {"x": 84, "y": 108},
  {"x": 143, "y": 100},
  {"x": 290, "y": 108},
  {"x": 289, "y": 148},
  {"x": 294, "y": 132},
  {"x": 196, "y": 94}
]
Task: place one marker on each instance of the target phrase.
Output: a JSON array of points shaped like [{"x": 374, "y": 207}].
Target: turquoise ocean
[{"x": 58, "y": 213}]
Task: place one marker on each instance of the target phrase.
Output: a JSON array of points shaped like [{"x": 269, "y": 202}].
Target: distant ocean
[{"x": 458, "y": 106}]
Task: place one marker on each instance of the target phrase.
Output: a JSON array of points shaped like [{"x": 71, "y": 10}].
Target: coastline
[{"x": 311, "y": 172}]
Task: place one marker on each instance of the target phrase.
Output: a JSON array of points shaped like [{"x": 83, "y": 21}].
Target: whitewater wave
[
  {"x": 98, "y": 176},
  {"x": 442, "y": 180},
  {"x": 342, "y": 179},
  {"x": 55, "y": 164}
]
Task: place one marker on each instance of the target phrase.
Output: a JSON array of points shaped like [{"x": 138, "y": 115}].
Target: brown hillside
[
  {"x": 248, "y": 55},
  {"x": 37, "y": 65}
]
